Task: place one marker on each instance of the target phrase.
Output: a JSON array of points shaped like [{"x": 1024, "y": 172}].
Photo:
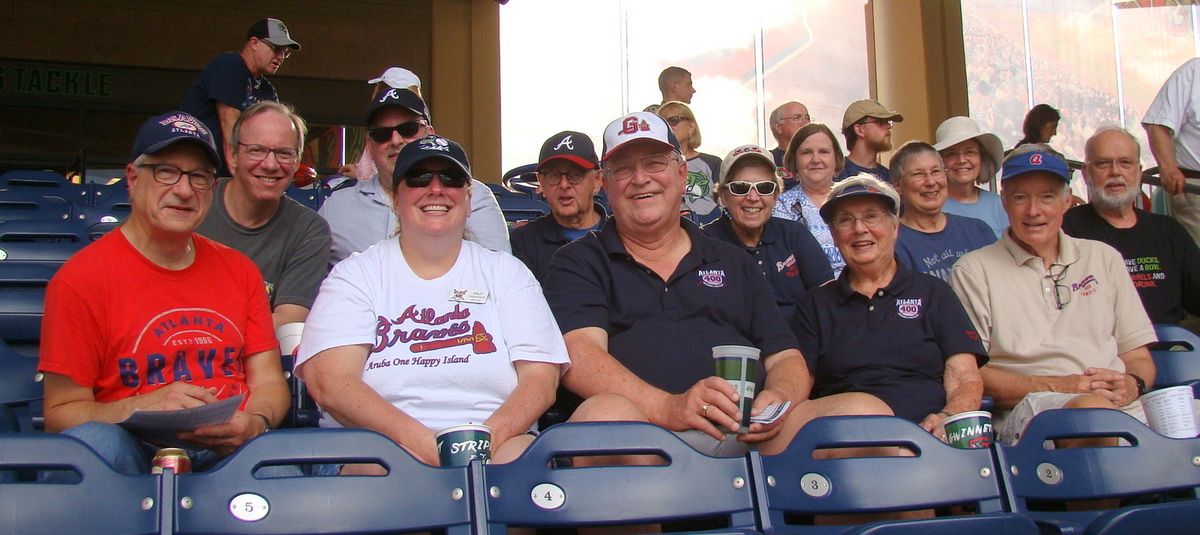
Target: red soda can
[{"x": 173, "y": 458}]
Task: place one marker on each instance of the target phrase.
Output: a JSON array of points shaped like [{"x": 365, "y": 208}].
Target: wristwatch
[{"x": 1141, "y": 383}]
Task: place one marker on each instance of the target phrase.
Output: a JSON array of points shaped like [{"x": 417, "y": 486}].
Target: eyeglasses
[
  {"x": 556, "y": 178},
  {"x": 259, "y": 152},
  {"x": 742, "y": 187},
  {"x": 674, "y": 120},
  {"x": 871, "y": 219},
  {"x": 381, "y": 134},
  {"x": 624, "y": 169},
  {"x": 423, "y": 179},
  {"x": 924, "y": 175},
  {"x": 277, "y": 50},
  {"x": 886, "y": 123},
  {"x": 1056, "y": 273},
  {"x": 1123, "y": 164},
  {"x": 956, "y": 154},
  {"x": 797, "y": 117},
  {"x": 169, "y": 175}
]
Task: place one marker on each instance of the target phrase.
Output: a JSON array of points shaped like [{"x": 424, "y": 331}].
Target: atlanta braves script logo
[
  {"x": 567, "y": 142},
  {"x": 1088, "y": 286}
]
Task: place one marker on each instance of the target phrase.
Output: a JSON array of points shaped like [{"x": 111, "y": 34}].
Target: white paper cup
[
  {"x": 1169, "y": 411},
  {"x": 289, "y": 337}
]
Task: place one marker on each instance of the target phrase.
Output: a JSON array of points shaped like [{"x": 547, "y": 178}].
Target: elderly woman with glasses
[
  {"x": 882, "y": 329},
  {"x": 784, "y": 250},
  {"x": 699, "y": 195},
  {"x": 426, "y": 331}
]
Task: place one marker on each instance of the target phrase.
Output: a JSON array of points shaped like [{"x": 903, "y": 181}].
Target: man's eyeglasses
[
  {"x": 381, "y": 134},
  {"x": 624, "y": 169},
  {"x": 555, "y": 178},
  {"x": 260, "y": 152},
  {"x": 798, "y": 117},
  {"x": 741, "y": 187},
  {"x": 674, "y": 120},
  {"x": 422, "y": 179},
  {"x": 871, "y": 219},
  {"x": 1123, "y": 164},
  {"x": 886, "y": 123},
  {"x": 1057, "y": 273},
  {"x": 278, "y": 50},
  {"x": 169, "y": 175}
]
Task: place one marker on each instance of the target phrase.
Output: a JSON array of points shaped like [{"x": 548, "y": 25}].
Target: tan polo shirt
[{"x": 1010, "y": 297}]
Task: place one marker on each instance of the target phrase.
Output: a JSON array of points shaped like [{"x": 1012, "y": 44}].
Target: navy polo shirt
[
  {"x": 787, "y": 254},
  {"x": 892, "y": 345},
  {"x": 536, "y": 242},
  {"x": 664, "y": 331}
]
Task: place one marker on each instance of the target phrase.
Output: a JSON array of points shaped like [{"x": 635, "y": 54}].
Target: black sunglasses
[
  {"x": 674, "y": 120},
  {"x": 423, "y": 179},
  {"x": 381, "y": 134}
]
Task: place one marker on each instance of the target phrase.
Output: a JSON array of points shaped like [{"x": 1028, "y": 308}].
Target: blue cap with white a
[
  {"x": 1036, "y": 161},
  {"x": 162, "y": 131}
]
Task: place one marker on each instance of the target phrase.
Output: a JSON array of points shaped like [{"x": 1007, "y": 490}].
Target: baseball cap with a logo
[
  {"x": 635, "y": 126},
  {"x": 862, "y": 184},
  {"x": 861, "y": 109},
  {"x": 574, "y": 147},
  {"x": 1030, "y": 162},
  {"x": 430, "y": 147},
  {"x": 740, "y": 154},
  {"x": 272, "y": 31},
  {"x": 398, "y": 98},
  {"x": 160, "y": 132}
]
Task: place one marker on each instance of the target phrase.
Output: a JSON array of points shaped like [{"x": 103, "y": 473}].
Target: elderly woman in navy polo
[
  {"x": 881, "y": 328},
  {"x": 785, "y": 250}
]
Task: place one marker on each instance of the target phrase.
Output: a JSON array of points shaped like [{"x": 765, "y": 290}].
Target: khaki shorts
[{"x": 1010, "y": 425}]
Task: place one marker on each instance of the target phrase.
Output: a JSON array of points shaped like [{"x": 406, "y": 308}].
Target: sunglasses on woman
[
  {"x": 381, "y": 134},
  {"x": 423, "y": 179},
  {"x": 674, "y": 120},
  {"x": 741, "y": 187}
]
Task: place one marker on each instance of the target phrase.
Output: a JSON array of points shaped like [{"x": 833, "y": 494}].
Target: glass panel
[{"x": 997, "y": 85}]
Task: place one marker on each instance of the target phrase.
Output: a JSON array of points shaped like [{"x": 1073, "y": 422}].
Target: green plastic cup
[
  {"x": 458, "y": 444},
  {"x": 969, "y": 430},
  {"x": 739, "y": 366}
]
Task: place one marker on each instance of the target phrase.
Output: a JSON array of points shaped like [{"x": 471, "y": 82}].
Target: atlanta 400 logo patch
[{"x": 908, "y": 308}]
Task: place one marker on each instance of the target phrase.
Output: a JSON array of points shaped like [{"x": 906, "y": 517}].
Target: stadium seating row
[{"x": 997, "y": 490}]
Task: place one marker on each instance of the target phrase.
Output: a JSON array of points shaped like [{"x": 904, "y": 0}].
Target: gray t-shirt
[{"x": 291, "y": 250}]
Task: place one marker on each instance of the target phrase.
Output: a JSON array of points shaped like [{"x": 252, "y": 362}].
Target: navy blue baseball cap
[
  {"x": 862, "y": 184},
  {"x": 430, "y": 147},
  {"x": 1019, "y": 164},
  {"x": 397, "y": 98},
  {"x": 162, "y": 131}
]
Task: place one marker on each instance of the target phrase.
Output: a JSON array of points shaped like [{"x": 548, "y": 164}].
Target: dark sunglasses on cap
[
  {"x": 381, "y": 134},
  {"x": 741, "y": 187},
  {"x": 421, "y": 179}
]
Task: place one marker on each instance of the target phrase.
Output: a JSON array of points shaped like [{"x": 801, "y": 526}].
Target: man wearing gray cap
[
  {"x": 182, "y": 323},
  {"x": 867, "y": 126},
  {"x": 233, "y": 81}
]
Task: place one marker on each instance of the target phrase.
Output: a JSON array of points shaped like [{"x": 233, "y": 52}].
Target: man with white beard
[{"x": 1162, "y": 260}]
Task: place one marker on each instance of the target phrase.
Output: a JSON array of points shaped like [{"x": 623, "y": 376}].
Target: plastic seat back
[
  {"x": 528, "y": 492},
  {"x": 1151, "y": 463},
  {"x": 1176, "y": 355},
  {"x": 412, "y": 497},
  {"x": 793, "y": 483},
  {"x": 22, "y": 299},
  {"x": 100, "y": 501},
  {"x": 40, "y": 241}
]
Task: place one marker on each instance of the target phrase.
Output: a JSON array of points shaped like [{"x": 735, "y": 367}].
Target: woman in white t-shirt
[{"x": 426, "y": 330}]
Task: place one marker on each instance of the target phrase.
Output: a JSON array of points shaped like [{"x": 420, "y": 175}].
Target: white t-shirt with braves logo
[{"x": 442, "y": 350}]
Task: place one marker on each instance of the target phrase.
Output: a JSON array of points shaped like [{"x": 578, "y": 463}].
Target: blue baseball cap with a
[
  {"x": 1035, "y": 161},
  {"x": 430, "y": 147},
  {"x": 162, "y": 131}
]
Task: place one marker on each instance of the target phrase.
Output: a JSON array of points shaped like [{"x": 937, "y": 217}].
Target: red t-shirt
[{"x": 124, "y": 326}]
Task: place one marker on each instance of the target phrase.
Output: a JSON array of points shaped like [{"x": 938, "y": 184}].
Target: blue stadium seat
[
  {"x": 527, "y": 492},
  {"x": 412, "y": 497},
  {"x": 41, "y": 241},
  {"x": 100, "y": 501},
  {"x": 793, "y": 484},
  {"x": 22, "y": 298},
  {"x": 107, "y": 204},
  {"x": 20, "y": 390},
  {"x": 1039, "y": 478},
  {"x": 310, "y": 197},
  {"x": 1176, "y": 355},
  {"x": 19, "y": 204}
]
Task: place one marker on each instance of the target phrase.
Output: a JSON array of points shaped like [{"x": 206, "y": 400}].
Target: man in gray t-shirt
[{"x": 287, "y": 241}]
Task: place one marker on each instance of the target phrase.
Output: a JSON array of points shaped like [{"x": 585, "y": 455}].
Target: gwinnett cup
[
  {"x": 739, "y": 366},
  {"x": 459, "y": 444},
  {"x": 969, "y": 430}
]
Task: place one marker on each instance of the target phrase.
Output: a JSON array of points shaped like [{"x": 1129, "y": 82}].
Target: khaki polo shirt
[{"x": 1010, "y": 297}]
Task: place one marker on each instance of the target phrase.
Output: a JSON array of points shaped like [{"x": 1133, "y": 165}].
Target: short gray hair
[
  {"x": 285, "y": 110},
  {"x": 1104, "y": 129},
  {"x": 905, "y": 155}
]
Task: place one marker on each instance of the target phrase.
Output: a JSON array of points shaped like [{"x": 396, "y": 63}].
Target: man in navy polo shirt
[
  {"x": 568, "y": 174},
  {"x": 642, "y": 303}
]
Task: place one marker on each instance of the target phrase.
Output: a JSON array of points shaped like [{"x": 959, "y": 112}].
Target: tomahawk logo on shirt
[{"x": 196, "y": 345}]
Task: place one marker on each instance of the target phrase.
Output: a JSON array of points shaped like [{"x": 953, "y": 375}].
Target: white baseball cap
[
  {"x": 397, "y": 78},
  {"x": 638, "y": 125}
]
